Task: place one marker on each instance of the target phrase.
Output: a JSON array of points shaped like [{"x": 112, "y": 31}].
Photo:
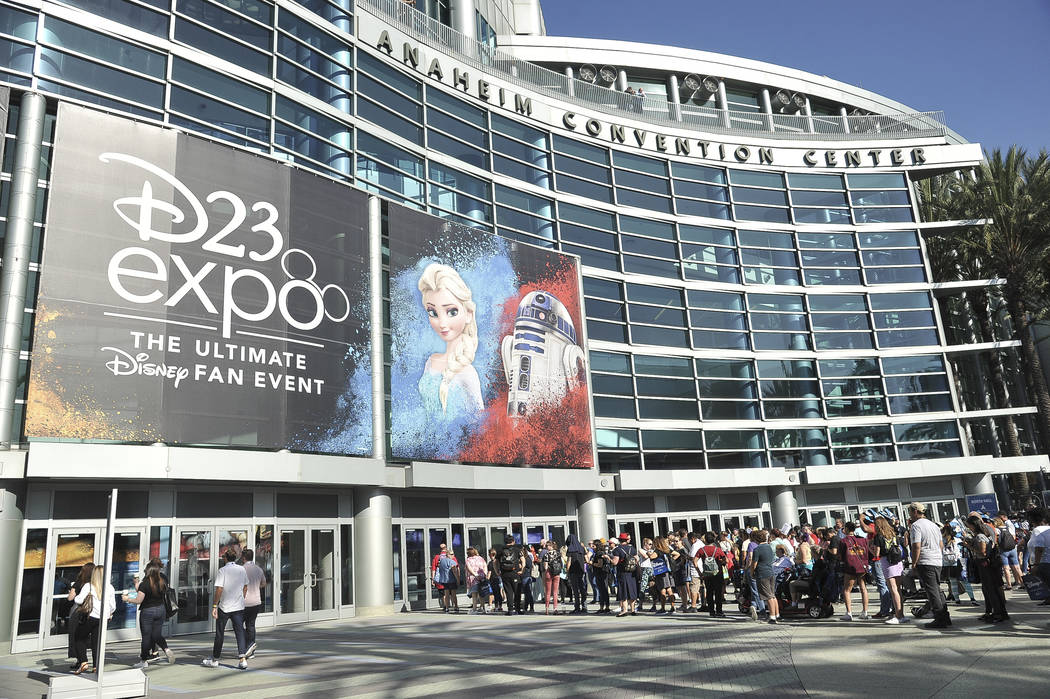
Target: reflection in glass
[{"x": 194, "y": 587}]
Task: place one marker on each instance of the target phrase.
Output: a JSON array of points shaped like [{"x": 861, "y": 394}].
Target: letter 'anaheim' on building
[{"x": 349, "y": 282}]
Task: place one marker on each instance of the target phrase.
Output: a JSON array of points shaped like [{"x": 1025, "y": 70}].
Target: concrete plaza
[{"x": 686, "y": 655}]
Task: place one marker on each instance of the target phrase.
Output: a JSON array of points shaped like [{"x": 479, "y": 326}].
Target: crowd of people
[{"x": 789, "y": 571}]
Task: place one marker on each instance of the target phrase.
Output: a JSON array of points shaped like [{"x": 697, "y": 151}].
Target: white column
[
  {"x": 374, "y": 572},
  {"x": 592, "y": 516}
]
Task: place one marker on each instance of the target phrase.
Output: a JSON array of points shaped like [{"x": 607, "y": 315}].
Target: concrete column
[
  {"x": 592, "y": 516},
  {"x": 845, "y": 119},
  {"x": 570, "y": 81},
  {"x": 808, "y": 113},
  {"x": 374, "y": 574},
  {"x": 621, "y": 80},
  {"x": 978, "y": 484},
  {"x": 18, "y": 246},
  {"x": 767, "y": 107},
  {"x": 463, "y": 20},
  {"x": 723, "y": 103},
  {"x": 12, "y": 502},
  {"x": 674, "y": 105},
  {"x": 783, "y": 505}
]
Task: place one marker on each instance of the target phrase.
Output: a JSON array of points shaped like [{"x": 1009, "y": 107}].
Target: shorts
[
  {"x": 451, "y": 586},
  {"x": 765, "y": 588},
  {"x": 850, "y": 575},
  {"x": 694, "y": 585},
  {"x": 1009, "y": 558},
  {"x": 663, "y": 582}
]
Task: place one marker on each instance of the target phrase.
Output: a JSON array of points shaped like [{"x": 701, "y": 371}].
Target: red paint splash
[{"x": 551, "y": 435}]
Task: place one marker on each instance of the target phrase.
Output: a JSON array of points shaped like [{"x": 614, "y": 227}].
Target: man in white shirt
[
  {"x": 926, "y": 546},
  {"x": 1039, "y": 545},
  {"x": 231, "y": 584},
  {"x": 253, "y": 600}
]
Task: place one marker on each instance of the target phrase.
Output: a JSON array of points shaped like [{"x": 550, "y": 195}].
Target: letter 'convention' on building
[{"x": 343, "y": 281}]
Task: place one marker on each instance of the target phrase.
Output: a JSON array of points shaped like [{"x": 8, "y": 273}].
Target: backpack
[
  {"x": 630, "y": 561},
  {"x": 893, "y": 552},
  {"x": 709, "y": 565},
  {"x": 508, "y": 559},
  {"x": 554, "y": 564},
  {"x": 1007, "y": 542}
]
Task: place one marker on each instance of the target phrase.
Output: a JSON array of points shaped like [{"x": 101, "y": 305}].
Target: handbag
[
  {"x": 1037, "y": 589},
  {"x": 171, "y": 603},
  {"x": 660, "y": 566}
]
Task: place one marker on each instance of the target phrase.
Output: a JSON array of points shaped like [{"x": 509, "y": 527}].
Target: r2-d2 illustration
[{"x": 542, "y": 358}]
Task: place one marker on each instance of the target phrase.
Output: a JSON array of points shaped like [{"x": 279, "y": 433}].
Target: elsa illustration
[{"x": 450, "y": 384}]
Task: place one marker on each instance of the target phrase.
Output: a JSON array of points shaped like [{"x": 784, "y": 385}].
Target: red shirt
[{"x": 855, "y": 554}]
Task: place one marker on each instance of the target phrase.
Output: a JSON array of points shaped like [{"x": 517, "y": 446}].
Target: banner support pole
[
  {"x": 375, "y": 293},
  {"x": 102, "y": 596}
]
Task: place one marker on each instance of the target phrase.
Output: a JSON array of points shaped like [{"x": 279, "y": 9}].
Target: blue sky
[{"x": 985, "y": 63}]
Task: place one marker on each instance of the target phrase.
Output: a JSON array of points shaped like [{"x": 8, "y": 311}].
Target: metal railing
[{"x": 655, "y": 110}]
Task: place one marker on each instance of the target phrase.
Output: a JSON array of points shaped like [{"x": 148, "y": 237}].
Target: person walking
[
  {"x": 93, "y": 609},
  {"x": 253, "y": 598},
  {"x": 150, "y": 599},
  {"x": 926, "y": 548},
  {"x": 231, "y": 584}
]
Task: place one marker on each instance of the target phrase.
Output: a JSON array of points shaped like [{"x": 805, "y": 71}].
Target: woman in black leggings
[{"x": 577, "y": 571}]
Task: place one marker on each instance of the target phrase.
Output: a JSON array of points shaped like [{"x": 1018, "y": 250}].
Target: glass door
[
  {"x": 73, "y": 548},
  {"x": 416, "y": 568},
  {"x": 129, "y": 563},
  {"x": 436, "y": 536},
  {"x": 193, "y": 579},
  {"x": 308, "y": 574}
]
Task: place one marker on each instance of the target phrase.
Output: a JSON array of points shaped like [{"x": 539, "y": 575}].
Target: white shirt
[
  {"x": 231, "y": 579},
  {"x": 96, "y": 608},
  {"x": 256, "y": 579},
  {"x": 928, "y": 536},
  {"x": 1041, "y": 539}
]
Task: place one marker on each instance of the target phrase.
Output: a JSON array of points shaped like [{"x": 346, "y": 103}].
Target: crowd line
[{"x": 774, "y": 574}]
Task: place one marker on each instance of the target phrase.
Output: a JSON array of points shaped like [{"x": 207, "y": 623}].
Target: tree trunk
[
  {"x": 1033, "y": 368},
  {"x": 979, "y": 304}
]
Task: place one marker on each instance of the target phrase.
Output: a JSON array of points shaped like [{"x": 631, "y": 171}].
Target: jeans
[
  {"x": 603, "y": 591},
  {"x": 930, "y": 580},
  {"x": 885, "y": 597},
  {"x": 756, "y": 601},
  {"x": 527, "y": 591},
  {"x": 992, "y": 587},
  {"x": 151, "y": 620},
  {"x": 512, "y": 592},
  {"x": 237, "y": 618},
  {"x": 579, "y": 590},
  {"x": 249, "y": 624}
]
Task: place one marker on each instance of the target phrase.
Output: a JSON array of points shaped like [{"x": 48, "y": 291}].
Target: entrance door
[
  {"x": 308, "y": 577},
  {"x": 75, "y": 547},
  {"x": 200, "y": 554},
  {"x": 421, "y": 545},
  {"x": 638, "y": 529}
]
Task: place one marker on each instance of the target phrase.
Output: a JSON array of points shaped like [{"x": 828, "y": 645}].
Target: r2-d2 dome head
[{"x": 542, "y": 359}]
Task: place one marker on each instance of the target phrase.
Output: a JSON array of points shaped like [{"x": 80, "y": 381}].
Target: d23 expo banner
[
  {"x": 192, "y": 293},
  {"x": 488, "y": 358}
]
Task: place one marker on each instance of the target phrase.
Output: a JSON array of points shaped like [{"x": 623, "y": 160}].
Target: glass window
[
  {"x": 848, "y": 367},
  {"x": 660, "y": 295},
  {"x": 216, "y": 44},
  {"x": 801, "y": 197},
  {"x": 581, "y": 150},
  {"x": 765, "y": 239},
  {"x": 609, "y": 361},
  {"x": 602, "y": 288},
  {"x": 390, "y": 154},
  {"x": 616, "y": 439},
  {"x": 664, "y": 366},
  {"x": 698, "y": 172},
  {"x": 774, "y": 302},
  {"x": 645, "y": 246},
  {"x": 614, "y": 407},
  {"x": 666, "y": 388},
  {"x": 877, "y": 180},
  {"x": 714, "y": 339},
  {"x": 733, "y": 439},
  {"x": 650, "y": 409},
  {"x": 760, "y": 213},
  {"x": 814, "y": 181},
  {"x": 725, "y": 368},
  {"x": 716, "y": 300},
  {"x": 106, "y": 48},
  {"x": 514, "y": 129},
  {"x": 757, "y": 179},
  {"x": 587, "y": 236},
  {"x": 213, "y": 83},
  {"x": 616, "y": 385},
  {"x": 581, "y": 168},
  {"x": 709, "y": 191},
  {"x": 896, "y": 197},
  {"x": 890, "y": 239},
  {"x": 111, "y": 81},
  {"x": 641, "y": 226},
  {"x": 699, "y": 234},
  {"x": 759, "y": 196},
  {"x": 925, "y": 431},
  {"x": 657, "y": 314},
  {"x": 123, "y": 12},
  {"x": 926, "y": 363},
  {"x": 669, "y": 337},
  {"x": 905, "y": 300},
  {"x": 637, "y": 162},
  {"x": 671, "y": 439}
]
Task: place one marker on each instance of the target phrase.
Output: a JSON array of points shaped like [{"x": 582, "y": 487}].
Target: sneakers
[
  {"x": 170, "y": 656},
  {"x": 773, "y": 620},
  {"x": 846, "y": 617},
  {"x": 892, "y": 620},
  {"x": 937, "y": 625},
  {"x": 904, "y": 620},
  {"x": 864, "y": 615},
  {"x": 250, "y": 652},
  {"x": 141, "y": 665},
  {"x": 243, "y": 664},
  {"x": 210, "y": 662},
  {"x": 753, "y": 612}
]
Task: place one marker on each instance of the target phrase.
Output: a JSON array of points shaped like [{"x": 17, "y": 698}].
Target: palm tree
[{"x": 1013, "y": 191}]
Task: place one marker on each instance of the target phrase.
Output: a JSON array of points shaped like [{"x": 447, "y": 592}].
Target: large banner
[
  {"x": 488, "y": 358},
  {"x": 191, "y": 293}
]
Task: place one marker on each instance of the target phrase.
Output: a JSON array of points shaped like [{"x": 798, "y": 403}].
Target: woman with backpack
[
  {"x": 712, "y": 568},
  {"x": 552, "y": 568},
  {"x": 92, "y": 608},
  {"x": 150, "y": 598},
  {"x": 887, "y": 553},
  {"x": 985, "y": 556},
  {"x": 600, "y": 565}
]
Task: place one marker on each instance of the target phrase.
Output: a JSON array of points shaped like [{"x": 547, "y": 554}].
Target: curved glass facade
[{"x": 741, "y": 313}]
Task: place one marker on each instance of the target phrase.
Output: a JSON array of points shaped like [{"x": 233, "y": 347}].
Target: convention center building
[{"x": 341, "y": 281}]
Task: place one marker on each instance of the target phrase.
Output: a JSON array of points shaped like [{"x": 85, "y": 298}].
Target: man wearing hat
[
  {"x": 926, "y": 547},
  {"x": 625, "y": 558}
]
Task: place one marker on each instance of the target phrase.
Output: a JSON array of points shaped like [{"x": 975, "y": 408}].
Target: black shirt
[
  {"x": 624, "y": 551},
  {"x": 153, "y": 599}
]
